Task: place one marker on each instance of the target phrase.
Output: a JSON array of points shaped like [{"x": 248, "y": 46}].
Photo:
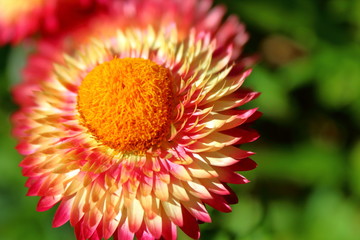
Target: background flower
[{"x": 19, "y": 19}]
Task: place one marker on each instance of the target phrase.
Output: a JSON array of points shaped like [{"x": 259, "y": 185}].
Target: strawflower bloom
[
  {"x": 19, "y": 19},
  {"x": 134, "y": 134}
]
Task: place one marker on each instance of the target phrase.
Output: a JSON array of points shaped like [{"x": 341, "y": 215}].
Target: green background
[{"x": 307, "y": 184}]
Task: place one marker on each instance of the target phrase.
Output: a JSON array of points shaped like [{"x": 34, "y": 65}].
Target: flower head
[{"x": 133, "y": 134}]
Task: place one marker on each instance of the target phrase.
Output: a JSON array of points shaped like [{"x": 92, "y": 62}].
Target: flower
[
  {"x": 19, "y": 19},
  {"x": 134, "y": 134}
]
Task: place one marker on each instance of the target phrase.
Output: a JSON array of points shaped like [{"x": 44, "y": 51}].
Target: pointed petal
[
  {"x": 62, "y": 214},
  {"x": 227, "y": 174},
  {"x": 190, "y": 226},
  {"x": 47, "y": 202},
  {"x": 123, "y": 232},
  {"x": 161, "y": 190},
  {"x": 135, "y": 215},
  {"x": 168, "y": 228},
  {"x": 244, "y": 164},
  {"x": 172, "y": 209},
  {"x": 154, "y": 226},
  {"x": 219, "y": 203},
  {"x": 197, "y": 210}
]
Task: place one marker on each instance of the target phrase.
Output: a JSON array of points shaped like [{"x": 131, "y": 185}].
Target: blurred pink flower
[{"x": 19, "y": 19}]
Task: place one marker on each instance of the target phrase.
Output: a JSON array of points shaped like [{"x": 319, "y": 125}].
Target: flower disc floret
[{"x": 126, "y": 103}]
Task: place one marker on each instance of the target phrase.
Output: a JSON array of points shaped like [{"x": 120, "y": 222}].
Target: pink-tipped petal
[
  {"x": 62, "y": 214},
  {"x": 245, "y": 164},
  {"x": 218, "y": 203},
  {"x": 135, "y": 215},
  {"x": 124, "y": 233},
  {"x": 154, "y": 226},
  {"x": 172, "y": 209},
  {"x": 190, "y": 227},
  {"x": 169, "y": 229},
  {"x": 47, "y": 202}
]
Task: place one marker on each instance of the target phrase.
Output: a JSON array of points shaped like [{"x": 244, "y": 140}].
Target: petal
[
  {"x": 197, "y": 210},
  {"x": 190, "y": 226},
  {"x": 161, "y": 190},
  {"x": 215, "y": 186},
  {"x": 62, "y": 214},
  {"x": 226, "y": 174},
  {"x": 178, "y": 191},
  {"x": 213, "y": 142},
  {"x": 168, "y": 228},
  {"x": 172, "y": 209},
  {"x": 135, "y": 215},
  {"x": 123, "y": 232},
  {"x": 155, "y": 226},
  {"x": 221, "y": 159},
  {"x": 77, "y": 209},
  {"x": 197, "y": 189},
  {"x": 144, "y": 234},
  {"x": 233, "y": 100},
  {"x": 244, "y": 164},
  {"x": 225, "y": 88},
  {"x": 179, "y": 172},
  {"x": 231, "y": 198},
  {"x": 236, "y": 118},
  {"x": 244, "y": 134},
  {"x": 219, "y": 203},
  {"x": 47, "y": 202}
]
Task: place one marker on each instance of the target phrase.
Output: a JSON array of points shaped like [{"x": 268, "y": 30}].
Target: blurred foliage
[{"x": 307, "y": 184}]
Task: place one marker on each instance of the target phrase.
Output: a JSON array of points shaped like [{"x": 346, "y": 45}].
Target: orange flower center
[{"x": 126, "y": 104}]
